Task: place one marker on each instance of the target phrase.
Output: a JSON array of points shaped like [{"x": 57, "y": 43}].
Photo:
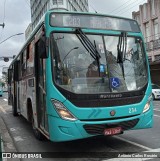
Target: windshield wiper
[
  {"x": 121, "y": 50},
  {"x": 92, "y": 49}
]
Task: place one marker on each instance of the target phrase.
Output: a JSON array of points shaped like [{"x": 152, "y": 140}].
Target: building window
[
  {"x": 57, "y": 2},
  {"x": 150, "y": 59},
  {"x": 153, "y": 11},
  {"x": 147, "y": 32},
  {"x": 137, "y": 18},
  {"x": 155, "y": 24},
  {"x": 157, "y": 57},
  {"x": 145, "y": 11}
]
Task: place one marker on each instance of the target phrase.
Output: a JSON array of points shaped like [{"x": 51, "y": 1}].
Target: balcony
[{"x": 153, "y": 45}]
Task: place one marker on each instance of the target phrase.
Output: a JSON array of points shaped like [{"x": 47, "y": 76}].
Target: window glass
[
  {"x": 76, "y": 69},
  {"x": 24, "y": 63},
  {"x": 30, "y": 58},
  {"x": 155, "y": 87}
]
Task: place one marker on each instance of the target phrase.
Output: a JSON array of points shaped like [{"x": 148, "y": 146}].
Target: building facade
[
  {"x": 28, "y": 31},
  {"x": 39, "y": 7},
  {"x": 148, "y": 18}
]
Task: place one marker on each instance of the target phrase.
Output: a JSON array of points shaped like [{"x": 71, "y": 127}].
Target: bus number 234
[{"x": 132, "y": 110}]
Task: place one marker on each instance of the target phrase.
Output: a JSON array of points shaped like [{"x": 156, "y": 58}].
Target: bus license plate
[{"x": 113, "y": 131}]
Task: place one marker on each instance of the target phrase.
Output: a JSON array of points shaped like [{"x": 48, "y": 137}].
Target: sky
[{"x": 16, "y": 16}]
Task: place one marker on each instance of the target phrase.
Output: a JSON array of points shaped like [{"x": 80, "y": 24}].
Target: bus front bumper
[{"x": 62, "y": 130}]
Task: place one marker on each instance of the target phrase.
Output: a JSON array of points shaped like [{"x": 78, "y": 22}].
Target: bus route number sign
[{"x": 89, "y": 21}]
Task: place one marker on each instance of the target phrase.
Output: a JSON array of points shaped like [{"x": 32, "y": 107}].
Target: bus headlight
[
  {"x": 62, "y": 111},
  {"x": 147, "y": 106}
]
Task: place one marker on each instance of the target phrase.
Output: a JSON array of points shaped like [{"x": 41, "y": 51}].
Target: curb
[
  {"x": 1, "y": 147},
  {"x": 7, "y": 143}
]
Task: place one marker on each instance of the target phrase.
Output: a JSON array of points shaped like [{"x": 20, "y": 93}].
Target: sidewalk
[{"x": 7, "y": 143}]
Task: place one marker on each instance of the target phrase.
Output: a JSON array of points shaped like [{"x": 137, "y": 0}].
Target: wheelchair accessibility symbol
[{"x": 115, "y": 82}]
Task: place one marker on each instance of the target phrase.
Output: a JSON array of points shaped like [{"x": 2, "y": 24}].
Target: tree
[{"x": 5, "y": 78}]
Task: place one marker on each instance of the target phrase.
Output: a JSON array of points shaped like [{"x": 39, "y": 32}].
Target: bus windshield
[{"x": 75, "y": 68}]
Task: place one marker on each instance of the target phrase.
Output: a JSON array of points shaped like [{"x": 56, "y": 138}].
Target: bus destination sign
[{"x": 93, "y": 22}]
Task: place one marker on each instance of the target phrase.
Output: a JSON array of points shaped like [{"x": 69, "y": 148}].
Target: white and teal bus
[{"x": 81, "y": 75}]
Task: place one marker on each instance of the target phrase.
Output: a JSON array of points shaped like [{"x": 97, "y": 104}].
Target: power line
[
  {"x": 93, "y": 8},
  {"x": 120, "y": 6},
  {"x": 28, "y": 3},
  {"x": 126, "y": 7},
  {"x": 133, "y": 6},
  {"x": 1, "y": 34},
  {"x": 4, "y": 16},
  {"x": 4, "y": 11}
]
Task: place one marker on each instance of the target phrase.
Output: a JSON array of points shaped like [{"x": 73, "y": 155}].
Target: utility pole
[{"x": 2, "y": 25}]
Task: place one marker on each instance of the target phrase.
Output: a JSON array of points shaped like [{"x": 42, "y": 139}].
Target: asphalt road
[{"x": 131, "y": 141}]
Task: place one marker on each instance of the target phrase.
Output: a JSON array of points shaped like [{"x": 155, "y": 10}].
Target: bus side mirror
[{"x": 42, "y": 48}]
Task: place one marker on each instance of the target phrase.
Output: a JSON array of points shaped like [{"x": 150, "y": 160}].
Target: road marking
[
  {"x": 133, "y": 143},
  {"x": 12, "y": 129},
  {"x": 154, "y": 150},
  {"x": 156, "y": 109},
  {"x": 135, "y": 159},
  {"x": 156, "y": 115},
  {"x": 126, "y": 159},
  {"x": 18, "y": 138},
  {"x": 3, "y": 110},
  {"x": 5, "y": 99}
]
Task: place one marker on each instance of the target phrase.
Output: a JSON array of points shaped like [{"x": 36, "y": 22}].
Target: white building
[
  {"x": 28, "y": 31},
  {"x": 39, "y": 7}
]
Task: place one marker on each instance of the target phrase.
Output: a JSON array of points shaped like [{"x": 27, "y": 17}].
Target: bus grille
[{"x": 98, "y": 129}]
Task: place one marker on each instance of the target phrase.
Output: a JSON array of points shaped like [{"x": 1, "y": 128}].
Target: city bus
[{"x": 81, "y": 75}]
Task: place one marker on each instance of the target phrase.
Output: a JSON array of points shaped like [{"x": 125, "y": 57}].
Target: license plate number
[{"x": 113, "y": 131}]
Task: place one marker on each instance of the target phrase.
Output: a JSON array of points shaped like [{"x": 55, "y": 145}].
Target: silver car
[{"x": 155, "y": 91}]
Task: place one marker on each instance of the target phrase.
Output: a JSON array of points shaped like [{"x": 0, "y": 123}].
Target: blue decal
[
  {"x": 102, "y": 68},
  {"x": 115, "y": 82}
]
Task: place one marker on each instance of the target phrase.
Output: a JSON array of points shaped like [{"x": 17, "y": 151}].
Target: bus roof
[{"x": 87, "y": 13}]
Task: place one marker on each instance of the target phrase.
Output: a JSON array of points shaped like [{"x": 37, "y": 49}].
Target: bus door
[
  {"x": 10, "y": 80},
  {"x": 41, "y": 91},
  {"x": 16, "y": 86}
]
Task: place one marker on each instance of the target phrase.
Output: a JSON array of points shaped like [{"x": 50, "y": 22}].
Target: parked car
[{"x": 155, "y": 91}]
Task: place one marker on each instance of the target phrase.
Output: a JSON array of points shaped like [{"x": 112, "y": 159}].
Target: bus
[{"x": 81, "y": 75}]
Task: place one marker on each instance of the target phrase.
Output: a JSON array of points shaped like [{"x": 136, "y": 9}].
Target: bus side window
[
  {"x": 30, "y": 58},
  {"x": 24, "y": 63},
  {"x": 21, "y": 62}
]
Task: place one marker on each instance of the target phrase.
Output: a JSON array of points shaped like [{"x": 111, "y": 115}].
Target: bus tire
[
  {"x": 38, "y": 135},
  {"x": 14, "y": 108}
]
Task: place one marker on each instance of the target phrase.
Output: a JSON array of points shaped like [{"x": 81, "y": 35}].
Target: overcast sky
[{"x": 16, "y": 16}]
